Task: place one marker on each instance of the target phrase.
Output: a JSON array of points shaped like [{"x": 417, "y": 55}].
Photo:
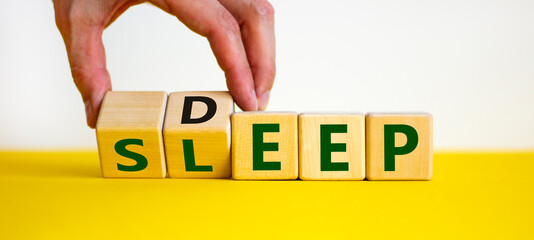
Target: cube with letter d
[
  {"x": 264, "y": 146},
  {"x": 197, "y": 134},
  {"x": 399, "y": 146}
]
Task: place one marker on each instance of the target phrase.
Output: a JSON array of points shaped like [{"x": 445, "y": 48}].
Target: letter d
[{"x": 188, "y": 105}]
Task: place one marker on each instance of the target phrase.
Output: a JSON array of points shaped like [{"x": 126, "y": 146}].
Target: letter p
[{"x": 390, "y": 151}]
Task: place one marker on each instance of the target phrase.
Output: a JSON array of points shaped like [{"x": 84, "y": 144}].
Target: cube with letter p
[{"x": 399, "y": 146}]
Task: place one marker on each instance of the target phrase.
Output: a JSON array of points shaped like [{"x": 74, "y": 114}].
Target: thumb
[
  {"x": 87, "y": 60},
  {"x": 93, "y": 85}
]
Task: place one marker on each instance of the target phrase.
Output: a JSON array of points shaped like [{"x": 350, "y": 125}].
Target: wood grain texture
[
  {"x": 415, "y": 165},
  {"x": 310, "y": 146},
  {"x": 210, "y": 139},
  {"x": 132, "y": 115},
  {"x": 286, "y": 139}
]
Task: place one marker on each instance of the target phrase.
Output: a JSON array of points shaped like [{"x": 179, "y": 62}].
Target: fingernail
[
  {"x": 264, "y": 100},
  {"x": 252, "y": 98},
  {"x": 89, "y": 113}
]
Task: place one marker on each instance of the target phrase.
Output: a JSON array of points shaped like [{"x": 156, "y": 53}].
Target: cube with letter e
[{"x": 264, "y": 146}]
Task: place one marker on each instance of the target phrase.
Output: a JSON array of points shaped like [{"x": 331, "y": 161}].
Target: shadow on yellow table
[{"x": 61, "y": 195}]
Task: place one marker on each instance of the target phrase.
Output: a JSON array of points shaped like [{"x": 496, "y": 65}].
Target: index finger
[
  {"x": 256, "y": 18},
  {"x": 212, "y": 20}
]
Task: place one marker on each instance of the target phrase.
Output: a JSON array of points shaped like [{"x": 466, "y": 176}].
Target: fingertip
[
  {"x": 94, "y": 103},
  {"x": 248, "y": 102},
  {"x": 254, "y": 100},
  {"x": 89, "y": 114},
  {"x": 240, "y": 84},
  {"x": 263, "y": 100}
]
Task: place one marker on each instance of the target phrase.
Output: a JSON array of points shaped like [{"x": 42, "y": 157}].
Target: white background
[{"x": 469, "y": 63}]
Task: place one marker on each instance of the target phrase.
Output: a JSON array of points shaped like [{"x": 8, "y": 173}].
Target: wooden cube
[
  {"x": 197, "y": 134},
  {"x": 331, "y": 146},
  {"x": 128, "y": 132},
  {"x": 264, "y": 146},
  {"x": 399, "y": 146}
]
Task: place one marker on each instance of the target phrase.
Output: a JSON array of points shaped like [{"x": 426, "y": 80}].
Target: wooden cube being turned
[
  {"x": 331, "y": 146},
  {"x": 264, "y": 146},
  {"x": 399, "y": 146},
  {"x": 128, "y": 132},
  {"x": 197, "y": 134}
]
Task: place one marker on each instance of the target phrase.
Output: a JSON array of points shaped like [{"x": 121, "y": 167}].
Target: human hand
[{"x": 240, "y": 33}]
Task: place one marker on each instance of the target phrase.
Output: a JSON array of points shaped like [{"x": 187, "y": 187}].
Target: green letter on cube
[
  {"x": 120, "y": 148},
  {"x": 390, "y": 151},
  {"x": 327, "y": 147},
  {"x": 258, "y": 147},
  {"x": 189, "y": 158}
]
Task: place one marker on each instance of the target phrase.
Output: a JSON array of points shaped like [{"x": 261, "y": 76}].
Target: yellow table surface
[{"x": 56, "y": 195}]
